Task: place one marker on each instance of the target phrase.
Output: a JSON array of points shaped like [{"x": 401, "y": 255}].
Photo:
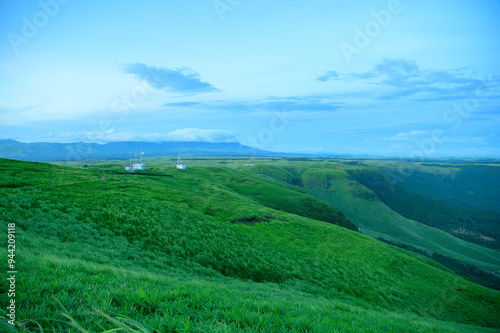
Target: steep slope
[
  {"x": 474, "y": 225},
  {"x": 278, "y": 195},
  {"x": 149, "y": 247},
  {"x": 462, "y": 185},
  {"x": 331, "y": 182}
]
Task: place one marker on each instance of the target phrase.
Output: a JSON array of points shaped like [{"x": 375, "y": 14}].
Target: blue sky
[{"x": 394, "y": 78}]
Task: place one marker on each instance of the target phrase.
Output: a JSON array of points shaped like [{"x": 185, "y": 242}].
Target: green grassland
[
  {"x": 377, "y": 220},
  {"x": 479, "y": 226},
  {"x": 212, "y": 249},
  {"x": 470, "y": 185},
  {"x": 331, "y": 182}
]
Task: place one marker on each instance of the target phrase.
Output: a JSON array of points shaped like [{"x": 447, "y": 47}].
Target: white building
[
  {"x": 134, "y": 167},
  {"x": 137, "y": 166}
]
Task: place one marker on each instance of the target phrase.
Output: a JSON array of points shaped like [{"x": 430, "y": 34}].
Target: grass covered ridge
[
  {"x": 164, "y": 252},
  {"x": 333, "y": 183}
]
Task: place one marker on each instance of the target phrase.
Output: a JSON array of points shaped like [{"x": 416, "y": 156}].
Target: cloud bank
[
  {"x": 408, "y": 80},
  {"x": 178, "y": 135},
  {"x": 288, "y": 103}
]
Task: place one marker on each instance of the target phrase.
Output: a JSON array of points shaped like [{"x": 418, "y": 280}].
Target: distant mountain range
[{"x": 51, "y": 151}]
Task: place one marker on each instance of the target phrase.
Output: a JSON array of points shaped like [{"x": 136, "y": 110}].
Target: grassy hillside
[
  {"x": 330, "y": 181},
  {"x": 198, "y": 253},
  {"x": 279, "y": 195},
  {"x": 462, "y": 185},
  {"x": 474, "y": 225}
]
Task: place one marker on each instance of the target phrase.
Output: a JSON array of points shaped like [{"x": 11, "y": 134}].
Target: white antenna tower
[{"x": 179, "y": 163}]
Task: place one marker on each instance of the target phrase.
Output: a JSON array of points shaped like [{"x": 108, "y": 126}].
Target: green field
[
  {"x": 377, "y": 220},
  {"x": 224, "y": 248},
  {"x": 331, "y": 182}
]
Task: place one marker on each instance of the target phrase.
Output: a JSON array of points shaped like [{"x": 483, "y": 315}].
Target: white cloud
[
  {"x": 178, "y": 135},
  {"x": 405, "y": 136},
  {"x": 202, "y": 135}
]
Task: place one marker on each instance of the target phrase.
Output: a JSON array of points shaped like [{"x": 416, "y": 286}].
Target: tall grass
[{"x": 144, "y": 252}]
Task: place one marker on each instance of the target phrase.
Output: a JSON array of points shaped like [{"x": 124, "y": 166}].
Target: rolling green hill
[
  {"x": 210, "y": 250},
  {"x": 331, "y": 182},
  {"x": 474, "y": 225},
  {"x": 469, "y": 185}
]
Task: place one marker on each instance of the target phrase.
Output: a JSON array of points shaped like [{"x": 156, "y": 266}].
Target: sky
[{"x": 416, "y": 79}]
